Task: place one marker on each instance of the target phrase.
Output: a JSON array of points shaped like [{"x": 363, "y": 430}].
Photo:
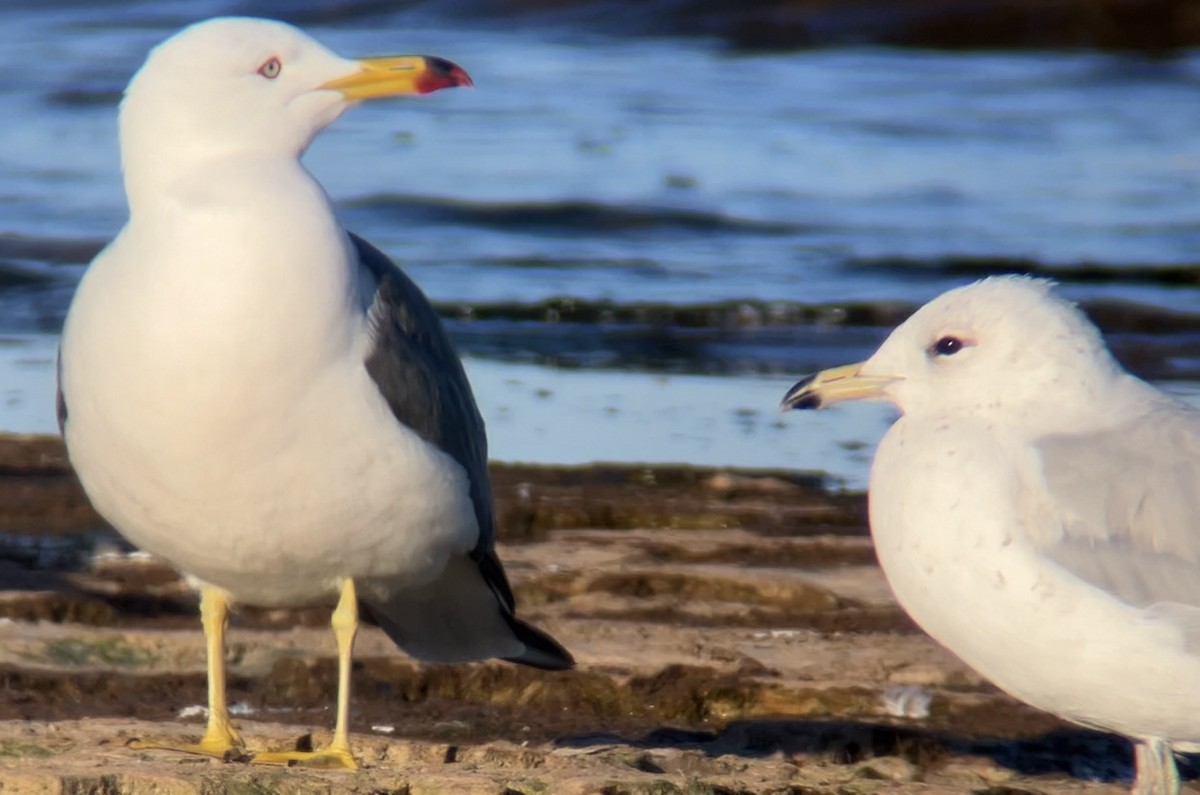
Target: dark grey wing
[
  {"x": 1127, "y": 501},
  {"x": 417, "y": 371},
  {"x": 60, "y": 403}
]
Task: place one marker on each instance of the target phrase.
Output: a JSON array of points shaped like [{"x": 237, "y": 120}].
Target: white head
[
  {"x": 251, "y": 86},
  {"x": 1003, "y": 345}
]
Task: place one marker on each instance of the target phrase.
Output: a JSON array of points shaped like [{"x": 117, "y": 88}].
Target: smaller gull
[
  {"x": 266, "y": 400},
  {"x": 1036, "y": 509}
]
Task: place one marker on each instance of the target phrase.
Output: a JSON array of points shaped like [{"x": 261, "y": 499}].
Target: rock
[{"x": 888, "y": 768}]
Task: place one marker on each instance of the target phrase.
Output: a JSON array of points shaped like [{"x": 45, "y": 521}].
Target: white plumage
[
  {"x": 1037, "y": 510},
  {"x": 263, "y": 399}
]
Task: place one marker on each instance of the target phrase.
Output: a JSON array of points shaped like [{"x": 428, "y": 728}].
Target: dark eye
[
  {"x": 947, "y": 346},
  {"x": 270, "y": 69}
]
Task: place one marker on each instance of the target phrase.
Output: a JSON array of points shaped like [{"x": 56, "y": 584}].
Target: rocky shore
[{"x": 733, "y": 632}]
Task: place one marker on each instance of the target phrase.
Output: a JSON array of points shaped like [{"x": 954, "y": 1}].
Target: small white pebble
[
  {"x": 241, "y": 708},
  {"x": 906, "y": 701},
  {"x": 776, "y": 634},
  {"x": 193, "y": 711},
  {"x": 383, "y": 728}
]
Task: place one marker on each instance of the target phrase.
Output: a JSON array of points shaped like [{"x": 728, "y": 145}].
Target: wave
[
  {"x": 1173, "y": 275},
  {"x": 775, "y": 338},
  {"x": 49, "y": 250},
  {"x": 1112, "y": 315},
  {"x": 567, "y": 215}
]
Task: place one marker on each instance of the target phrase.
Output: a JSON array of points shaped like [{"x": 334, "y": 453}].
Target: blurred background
[{"x": 649, "y": 218}]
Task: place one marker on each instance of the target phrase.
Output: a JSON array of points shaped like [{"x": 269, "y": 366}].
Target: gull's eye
[
  {"x": 271, "y": 68},
  {"x": 947, "y": 346}
]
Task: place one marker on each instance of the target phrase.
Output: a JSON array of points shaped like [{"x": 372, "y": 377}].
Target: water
[{"x": 630, "y": 171}]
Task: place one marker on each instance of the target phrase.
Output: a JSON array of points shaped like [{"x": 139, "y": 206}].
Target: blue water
[{"x": 649, "y": 170}]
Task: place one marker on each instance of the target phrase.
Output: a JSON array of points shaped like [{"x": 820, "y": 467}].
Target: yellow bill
[
  {"x": 834, "y": 386},
  {"x": 399, "y": 75}
]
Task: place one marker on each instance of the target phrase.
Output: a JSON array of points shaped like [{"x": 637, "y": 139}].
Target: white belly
[
  {"x": 233, "y": 429},
  {"x": 339, "y": 490},
  {"x": 948, "y": 537}
]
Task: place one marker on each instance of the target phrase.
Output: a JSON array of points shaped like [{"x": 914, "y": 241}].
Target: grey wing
[
  {"x": 417, "y": 371},
  {"x": 1128, "y": 510}
]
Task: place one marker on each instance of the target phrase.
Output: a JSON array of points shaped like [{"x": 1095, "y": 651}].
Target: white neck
[{"x": 242, "y": 264}]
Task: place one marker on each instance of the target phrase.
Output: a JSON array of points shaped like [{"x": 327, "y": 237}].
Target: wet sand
[{"x": 733, "y": 633}]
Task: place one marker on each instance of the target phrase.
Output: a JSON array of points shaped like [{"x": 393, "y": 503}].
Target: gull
[
  {"x": 1036, "y": 510},
  {"x": 264, "y": 399}
]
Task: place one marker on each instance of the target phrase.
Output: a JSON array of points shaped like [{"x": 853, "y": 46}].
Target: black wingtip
[
  {"x": 541, "y": 650},
  {"x": 799, "y": 397}
]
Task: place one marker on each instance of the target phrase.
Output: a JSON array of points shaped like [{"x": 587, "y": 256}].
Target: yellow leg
[
  {"x": 337, "y": 754},
  {"x": 220, "y": 739},
  {"x": 345, "y": 628}
]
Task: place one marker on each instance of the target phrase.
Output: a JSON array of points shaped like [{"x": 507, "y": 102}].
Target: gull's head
[
  {"x": 1004, "y": 344},
  {"x": 237, "y": 85}
]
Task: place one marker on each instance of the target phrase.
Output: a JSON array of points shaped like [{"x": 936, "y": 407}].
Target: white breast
[
  {"x": 220, "y": 414},
  {"x": 948, "y": 506}
]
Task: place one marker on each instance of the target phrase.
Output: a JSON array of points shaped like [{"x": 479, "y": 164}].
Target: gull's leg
[
  {"x": 1156, "y": 771},
  {"x": 220, "y": 738},
  {"x": 345, "y": 627},
  {"x": 337, "y": 753}
]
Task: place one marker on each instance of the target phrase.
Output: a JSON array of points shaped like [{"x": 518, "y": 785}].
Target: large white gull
[
  {"x": 1036, "y": 509},
  {"x": 265, "y": 400}
]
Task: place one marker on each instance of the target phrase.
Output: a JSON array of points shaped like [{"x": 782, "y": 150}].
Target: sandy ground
[{"x": 733, "y": 634}]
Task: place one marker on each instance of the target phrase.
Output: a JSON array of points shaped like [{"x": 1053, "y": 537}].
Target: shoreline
[{"x": 733, "y": 633}]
